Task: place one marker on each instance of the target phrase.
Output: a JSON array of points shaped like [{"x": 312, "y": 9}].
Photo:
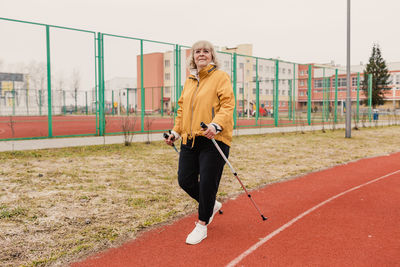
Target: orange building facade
[{"x": 159, "y": 83}]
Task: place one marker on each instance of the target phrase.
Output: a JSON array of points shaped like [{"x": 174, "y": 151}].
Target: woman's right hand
[{"x": 170, "y": 140}]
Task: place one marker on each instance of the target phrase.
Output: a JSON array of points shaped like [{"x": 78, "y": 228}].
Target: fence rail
[{"x": 126, "y": 76}]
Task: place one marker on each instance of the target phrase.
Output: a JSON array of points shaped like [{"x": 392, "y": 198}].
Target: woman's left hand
[{"x": 210, "y": 132}]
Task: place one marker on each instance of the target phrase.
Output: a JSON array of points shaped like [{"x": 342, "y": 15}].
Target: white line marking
[{"x": 283, "y": 227}]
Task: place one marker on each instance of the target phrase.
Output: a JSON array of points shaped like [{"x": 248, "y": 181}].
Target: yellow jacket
[{"x": 208, "y": 98}]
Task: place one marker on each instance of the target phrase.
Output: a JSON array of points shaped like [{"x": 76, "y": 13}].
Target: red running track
[
  {"x": 344, "y": 216},
  {"x": 37, "y": 126}
]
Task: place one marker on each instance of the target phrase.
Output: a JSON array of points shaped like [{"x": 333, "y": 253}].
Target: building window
[
  {"x": 167, "y": 76},
  {"x": 328, "y": 83},
  {"x": 289, "y": 71},
  {"x": 261, "y": 68},
  {"x": 397, "y": 79},
  {"x": 301, "y": 82},
  {"x": 318, "y": 83},
  {"x": 354, "y": 81},
  {"x": 241, "y": 91},
  {"x": 166, "y": 63},
  {"x": 241, "y": 65},
  {"x": 283, "y": 70},
  {"x": 254, "y": 91},
  {"x": 342, "y": 82}
]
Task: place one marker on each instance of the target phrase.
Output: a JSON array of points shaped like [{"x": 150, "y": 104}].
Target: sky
[{"x": 302, "y": 31}]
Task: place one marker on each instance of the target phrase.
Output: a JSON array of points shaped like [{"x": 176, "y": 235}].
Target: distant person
[{"x": 207, "y": 97}]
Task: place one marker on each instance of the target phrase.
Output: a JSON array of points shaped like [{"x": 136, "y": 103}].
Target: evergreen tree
[{"x": 380, "y": 77}]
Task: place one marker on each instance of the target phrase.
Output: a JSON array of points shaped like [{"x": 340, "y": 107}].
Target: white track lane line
[{"x": 283, "y": 227}]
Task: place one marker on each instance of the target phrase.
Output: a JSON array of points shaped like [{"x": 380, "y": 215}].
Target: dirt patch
[{"x": 60, "y": 205}]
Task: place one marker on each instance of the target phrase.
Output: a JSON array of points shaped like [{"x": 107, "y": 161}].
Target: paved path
[
  {"x": 99, "y": 140},
  {"x": 343, "y": 216}
]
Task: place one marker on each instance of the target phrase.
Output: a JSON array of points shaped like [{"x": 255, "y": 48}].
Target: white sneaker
[
  {"x": 197, "y": 235},
  {"x": 217, "y": 207}
]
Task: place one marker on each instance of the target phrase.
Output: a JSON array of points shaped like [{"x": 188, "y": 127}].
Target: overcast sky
[{"x": 302, "y": 31}]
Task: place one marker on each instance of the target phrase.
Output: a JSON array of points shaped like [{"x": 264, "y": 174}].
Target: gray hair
[{"x": 202, "y": 44}]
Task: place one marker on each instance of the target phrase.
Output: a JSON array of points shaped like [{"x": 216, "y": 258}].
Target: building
[
  {"x": 120, "y": 94},
  {"x": 279, "y": 82},
  {"x": 324, "y": 85}
]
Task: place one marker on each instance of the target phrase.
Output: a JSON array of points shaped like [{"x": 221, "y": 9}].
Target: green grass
[{"x": 84, "y": 199}]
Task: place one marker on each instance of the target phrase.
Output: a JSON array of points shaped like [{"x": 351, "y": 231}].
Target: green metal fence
[{"x": 87, "y": 83}]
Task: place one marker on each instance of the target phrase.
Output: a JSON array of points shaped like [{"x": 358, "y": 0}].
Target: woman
[{"x": 207, "y": 97}]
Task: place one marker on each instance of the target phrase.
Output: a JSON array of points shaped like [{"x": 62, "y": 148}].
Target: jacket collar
[{"x": 194, "y": 74}]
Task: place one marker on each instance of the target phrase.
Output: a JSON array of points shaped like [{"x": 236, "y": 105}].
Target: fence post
[
  {"x": 40, "y": 102},
  {"x": 112, "y": 102},
  {"x": 290, "y": 100},
  {"x": 96, "y": 84},
  {"x": 49, "y": 111},
  {"x": 234, "y": 70},
  {"x": 294, "y": 92},
  {"x": 323, "y": 96},
  {"x": 309, "y": 95},
  {"x": 162, "y": 102},
  {"x": 64, "y": 109},
  {"x": 101, "y": 83},
  {"x": 276, "y": 95},
  {"x": 336, "y": 93},
  {"x": 370, "y": 97},
  {"x": 358, "y": 97},
  {"x": 142, "y": 95},
  {"x": 127, "y": 101},
  {"x": 177, "y": 82},
  {"x": 13, "y": 98},
  {"x": 257, "y": 94},
  {"x": 27, "y": 99}
]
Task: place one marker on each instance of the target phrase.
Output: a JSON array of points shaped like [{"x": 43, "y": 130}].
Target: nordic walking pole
[
  {"x": 173, "y": 145},
  {"x": 204, "y": 126}
]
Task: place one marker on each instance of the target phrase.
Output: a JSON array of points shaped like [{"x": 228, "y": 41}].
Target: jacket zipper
[{"x": 193, "y": 97}]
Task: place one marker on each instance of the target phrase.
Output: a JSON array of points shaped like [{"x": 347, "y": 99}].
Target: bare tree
[
  {"x": 1, "y": 64},
  {"x": 149, "y": 122},
  {"x": 128, "y": 128},
  {"x": 60, "y": 88},
  {"x": 76, "y": 80},
  {"x": 11, "y": 124},
  {"x": 37, "y": 79}
]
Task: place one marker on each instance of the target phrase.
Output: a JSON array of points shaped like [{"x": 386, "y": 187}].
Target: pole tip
[{"x": 264, "y": 218}]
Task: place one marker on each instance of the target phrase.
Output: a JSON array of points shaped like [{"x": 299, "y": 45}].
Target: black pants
[{"x": 204, "y": 160}]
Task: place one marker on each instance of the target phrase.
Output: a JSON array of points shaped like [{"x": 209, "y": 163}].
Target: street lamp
[{"x": 348, "y": 94}]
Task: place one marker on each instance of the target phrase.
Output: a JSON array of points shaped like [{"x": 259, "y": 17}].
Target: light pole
[{"x": 348, "y": 95}]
